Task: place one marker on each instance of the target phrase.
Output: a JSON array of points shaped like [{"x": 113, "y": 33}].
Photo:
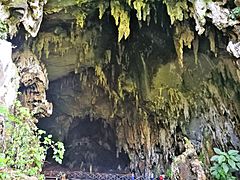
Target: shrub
[
  {"x": 25, "y": 149},
  {"x": 225, "y": 164}
]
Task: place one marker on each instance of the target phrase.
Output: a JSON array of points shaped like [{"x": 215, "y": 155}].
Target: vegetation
[
  {"x": 169, "y": 173},
  {"x": 3, "y": 30},
  {"x": 235, "y": 13},
  {"x": 24, "y": 149},
  {"x": 225, "y": 164}
]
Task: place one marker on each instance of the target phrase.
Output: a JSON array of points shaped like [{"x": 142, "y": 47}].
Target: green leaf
[
  {"x": 238, "y": 165},
  {"x": 237, "y": 157},
  {"x": 214, "y": 158},
  {"x": 233, "y": 152},
  {"x": 215, "y": 167},
  {"x": 221, "y": 159},
  {"x": 234, "y": 158},
  {"x": 225, "y": 167},
  {"x": 217, "y": 151},
  {"x": 232, "y": 163},
  {"x": 2, "y": 160},
  {"x": 40, "y": 132},
  {"x": 218, "y": 176},
  {"x": 214, "y": 173}
]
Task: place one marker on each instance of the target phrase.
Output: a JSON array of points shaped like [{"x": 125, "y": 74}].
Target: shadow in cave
[
  {"x": 91, "y": 146},
  {"x": 92, "y": 143}
]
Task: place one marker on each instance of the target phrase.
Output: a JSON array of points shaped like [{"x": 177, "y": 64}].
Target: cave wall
[{"x": 147, "y": 97}]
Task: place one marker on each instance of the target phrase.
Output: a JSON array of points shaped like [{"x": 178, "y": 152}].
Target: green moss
[{"x": 41, "y": 45}]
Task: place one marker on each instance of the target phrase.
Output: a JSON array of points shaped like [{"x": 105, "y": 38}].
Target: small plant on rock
[
  {"x": 225, "y": 164},
  {"x": 3, "y": 30}
]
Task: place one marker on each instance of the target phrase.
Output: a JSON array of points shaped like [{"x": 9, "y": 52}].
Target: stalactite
[
  {"x": 177, "y": 10},
  {"x": 211, "y": 37},
  {"x": 122, "y": 19},
  {"x": 195, "y": 44},
  {"x": 172, "y": 97},
  {"x": 183, "y": 36}
]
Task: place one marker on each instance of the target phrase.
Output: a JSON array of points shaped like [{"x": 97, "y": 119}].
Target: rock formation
[
  {"x": 9, "y": 83},
  {"x": 163, "y": 76},
  {"x": 34, "y": 83}
]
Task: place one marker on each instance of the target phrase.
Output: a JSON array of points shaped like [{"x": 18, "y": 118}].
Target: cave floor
[
  {"x": 55, "y": 171},
  {"x": 81, "y": 175}
]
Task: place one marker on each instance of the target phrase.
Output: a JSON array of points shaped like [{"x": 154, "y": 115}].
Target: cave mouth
[
  {"x": 91, "y": 143},
  {"x": 91, "y": 146}
]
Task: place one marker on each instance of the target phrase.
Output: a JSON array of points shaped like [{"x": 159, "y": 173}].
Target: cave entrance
[
  {"x": 90, "y": 146},
  {"x": 91, "y": 143}
]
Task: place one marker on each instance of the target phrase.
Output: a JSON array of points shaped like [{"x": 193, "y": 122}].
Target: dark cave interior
[{"x": 90, "y": 142}]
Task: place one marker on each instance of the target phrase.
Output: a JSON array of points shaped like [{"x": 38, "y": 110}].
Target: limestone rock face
[
  {"x": 9, "y": 83},
  {"x": 220, "y": 18},
  {"x": 32, "y": 16},
  {"x": 34, "y": 83},
  {"x": 181, "y": 164},
  {"x": 29, "y": 13},
  {"x": 9, "y": 78},
  {"x": 234, "y": 49}
]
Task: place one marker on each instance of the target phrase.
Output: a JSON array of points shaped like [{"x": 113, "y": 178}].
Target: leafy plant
[
  {"x": 235, "y": 13},
  {"x": 169, "y": 173},
  {"x": 25, "y": 147},
  {"x": 3, "y": 30},
  {"x": 201, "y": 157},
  {"x": 225, "y": 164}
]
